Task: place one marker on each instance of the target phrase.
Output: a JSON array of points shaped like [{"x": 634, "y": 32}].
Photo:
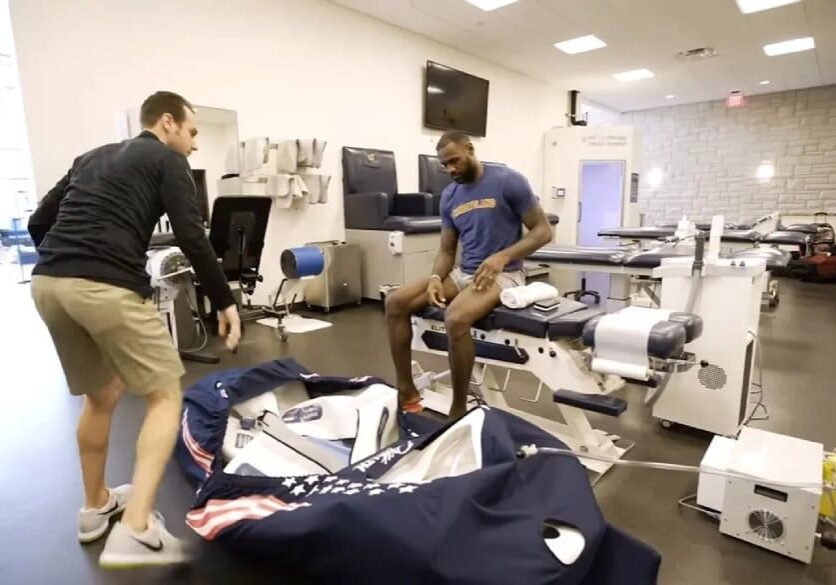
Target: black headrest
[
  {"x": 692, "y": 324},
  {"x": 432, "y": 178},
  {"x": 367, "y": 170}
]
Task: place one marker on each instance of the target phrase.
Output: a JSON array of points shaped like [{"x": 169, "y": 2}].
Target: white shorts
[{"x": 505, "y": 280}]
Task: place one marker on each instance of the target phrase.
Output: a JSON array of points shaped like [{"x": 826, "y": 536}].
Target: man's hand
[
  {"x": 488, "y": 271},
  {"x": 435, "y": 292},
  {"x": 229, "y": 326}
]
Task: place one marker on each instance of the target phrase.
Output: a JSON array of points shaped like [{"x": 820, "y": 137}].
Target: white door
[{"x": 600, "y": 206}]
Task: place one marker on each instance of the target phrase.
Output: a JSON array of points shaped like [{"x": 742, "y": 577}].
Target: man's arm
[
  {"x": 180, "y": 202},
  {"x": 446, "y": 256},
  {"x": 539, "y": 234},
  {"x": 42, "y": 220}
]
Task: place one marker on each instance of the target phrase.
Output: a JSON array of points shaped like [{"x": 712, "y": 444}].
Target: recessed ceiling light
[
  {"x": 764, "y": 82},
  {"x": 634, "y": 75},
  {"x": 793, "y": 46},
  {"x": 581, "y": 44},
  {"x": 750, "y": 6},
  {"x": 670, "y": 96},
  {"x": 434, "y": 89},
  {"x": 488, "y": 5}
]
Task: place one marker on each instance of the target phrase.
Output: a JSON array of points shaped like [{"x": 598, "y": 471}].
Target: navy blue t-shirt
[{"x": 487, "y": 214}]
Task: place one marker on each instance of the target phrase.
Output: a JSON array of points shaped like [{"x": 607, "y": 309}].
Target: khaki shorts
[
  {"x": 101, "y": 331},
  {"x": 505, "y": 280}
]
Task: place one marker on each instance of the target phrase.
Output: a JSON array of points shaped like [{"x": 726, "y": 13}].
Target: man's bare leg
[
  {"x": 93, "y": 435},
  {"x": 153, "y": 450},
  {"x": 400, "y": 305},
  {"x": 468, "y": 307}
]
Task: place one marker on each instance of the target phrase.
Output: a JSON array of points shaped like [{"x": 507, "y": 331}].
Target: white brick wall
[{"x": 708, "y": 156}]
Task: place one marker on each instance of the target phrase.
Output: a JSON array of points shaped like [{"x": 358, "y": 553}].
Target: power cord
[
  {"x": 759, "y": 385},
  {"x": 701, "y": 509},
  {"x": 531, "y": 450}
]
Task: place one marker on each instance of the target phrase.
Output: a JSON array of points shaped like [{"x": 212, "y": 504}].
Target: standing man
[
  {"x": 484, "y": 208},
  {"x": 91, "y": 289}
]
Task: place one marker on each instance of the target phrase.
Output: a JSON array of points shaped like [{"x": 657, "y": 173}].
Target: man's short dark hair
[
  {"x": 452, "y": 137},
  {"x": 163, "y": 102}
]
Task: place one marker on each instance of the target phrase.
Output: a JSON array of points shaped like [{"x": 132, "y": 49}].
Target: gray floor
[{"x": 40, "y": 487}]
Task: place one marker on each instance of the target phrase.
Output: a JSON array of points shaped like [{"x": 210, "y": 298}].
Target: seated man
[{"x": 485, "y": 208}]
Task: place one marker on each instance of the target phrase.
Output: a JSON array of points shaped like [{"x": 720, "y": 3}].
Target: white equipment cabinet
[
  {"x": 715, "y": 396},
  {"x": 339, "y": 283},
  {"x": 756, "y": 510}
]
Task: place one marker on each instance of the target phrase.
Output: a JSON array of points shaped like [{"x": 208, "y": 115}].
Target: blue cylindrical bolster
[{"x": 301, "y": 262}]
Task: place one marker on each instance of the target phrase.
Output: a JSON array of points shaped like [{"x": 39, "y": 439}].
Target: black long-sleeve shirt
[{"x": 97, "y": 221}]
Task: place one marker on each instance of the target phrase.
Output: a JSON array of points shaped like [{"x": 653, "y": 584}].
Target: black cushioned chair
[
  {"x": 432, "y": 178},
  {"x": 372, "y": 200}
]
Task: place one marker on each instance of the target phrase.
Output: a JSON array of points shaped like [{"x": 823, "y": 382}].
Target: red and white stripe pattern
[
  {"x": 201, "y": 456},
  {"x": 218, "y": 515}
]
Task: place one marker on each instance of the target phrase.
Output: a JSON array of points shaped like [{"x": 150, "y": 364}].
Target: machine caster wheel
[
  {"x": 283, "y": 338},
  {"x": 666, "y": 424}
]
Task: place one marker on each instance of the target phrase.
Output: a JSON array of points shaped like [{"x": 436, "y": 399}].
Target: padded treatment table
[
  {"x": 615, "y": 257},
  {"x": 571, "y": 319},
  {"x": 638, "y": 232},
  {"x": 545, "y": 344},
  {"x": 801, "y": 240},
  {"x": 622, "y": 262},
  {"x": 566, "y": 321},
  {"x": 625, "y": 262},
  {"x": 747, "y": 236},
  {"x": 581, "y": 254},
  {"x": 804, "y": 228},
  {"x": 612, "y": 260}
]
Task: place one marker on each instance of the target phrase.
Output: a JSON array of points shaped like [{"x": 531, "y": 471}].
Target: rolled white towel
[{"x": 519, "y": 297}]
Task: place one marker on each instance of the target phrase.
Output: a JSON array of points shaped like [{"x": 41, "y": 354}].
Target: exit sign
[{"x": 735, "y": 100}]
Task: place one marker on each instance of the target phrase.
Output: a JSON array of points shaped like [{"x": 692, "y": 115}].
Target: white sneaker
[
  {"x": 156, "y": 546},
  {"x": 93, "y": 523}
]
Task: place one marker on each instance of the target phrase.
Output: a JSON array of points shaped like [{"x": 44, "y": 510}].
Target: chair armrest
[
  {"x": 366, "y": 211},
  {"x": 414, "y": 204}
]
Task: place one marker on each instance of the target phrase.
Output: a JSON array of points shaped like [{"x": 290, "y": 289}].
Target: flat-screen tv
[{"x": 454, "y": 100}]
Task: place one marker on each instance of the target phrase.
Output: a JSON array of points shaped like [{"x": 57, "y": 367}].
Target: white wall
[
  {"x": 288, "y": 67},
  {"x": 214, "y": 142},
  {"x": 598, "y": 115},
  {"x": 16, "y": 191},
  {"x": 705, "y": 157}
]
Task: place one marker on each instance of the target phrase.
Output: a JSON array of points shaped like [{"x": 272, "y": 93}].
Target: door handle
[{"x": 580, "y": 211}]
